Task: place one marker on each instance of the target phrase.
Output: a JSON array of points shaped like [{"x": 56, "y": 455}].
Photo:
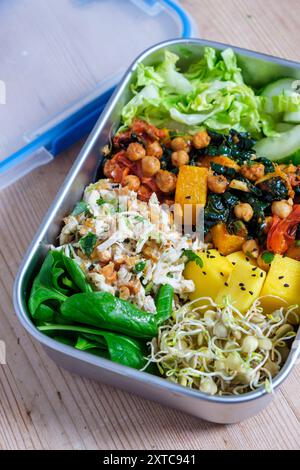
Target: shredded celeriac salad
[{"x": 136, "y": 246}]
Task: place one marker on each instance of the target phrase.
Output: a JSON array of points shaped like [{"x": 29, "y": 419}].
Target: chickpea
[
  {"x": 135, "y": 151},
  {"x": 180, "y": 158},
  {"x": 262, "y": 264},
  {"x": 251, "y": 248},
  {"x": 268, "y": 223},
  {"x": 243, "y": 211},
  {"x": 180, "y": 144},
  {"x": 201, "y": 140},
  {"x": 108, "y": 168},
  {"x": 132, "y": 182},
  {"x": 253, "y": 172},
  {"x": 154, "y": 149},
  {"x": 217, "y": 183},
  {"x": 281, "y": 208},
  {"x": 166, "y": 181},
  {"x": 150, "y": 166}
]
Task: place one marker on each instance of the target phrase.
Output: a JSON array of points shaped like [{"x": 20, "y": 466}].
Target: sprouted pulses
[{"x": 219, "y": 351}]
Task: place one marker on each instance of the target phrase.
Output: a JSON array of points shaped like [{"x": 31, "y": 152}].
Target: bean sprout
[{"x": 243, "y": 356}]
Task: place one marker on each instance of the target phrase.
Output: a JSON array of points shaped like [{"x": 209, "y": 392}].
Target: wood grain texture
[{"x": 44, "y": 407}]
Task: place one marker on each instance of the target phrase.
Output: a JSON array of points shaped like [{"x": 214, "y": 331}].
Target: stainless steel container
[{"x": 258, "y": 69}]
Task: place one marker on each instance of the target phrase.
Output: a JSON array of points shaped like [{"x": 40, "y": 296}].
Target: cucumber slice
[
  {"x": 278, "y": 87},
  {"x": 292, "y": 117},
  {"x": 286, "y": 146},
  {"x": 283, "y": 127}
]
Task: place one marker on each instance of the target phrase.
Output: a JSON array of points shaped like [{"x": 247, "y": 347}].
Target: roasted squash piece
[
  {"x": 225, "y": 242},
  {"x": 191, "y": 188},
  {"x": 221, "y": 160}
]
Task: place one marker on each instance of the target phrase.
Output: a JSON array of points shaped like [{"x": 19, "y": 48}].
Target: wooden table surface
[{"x": 45, "y": 407}]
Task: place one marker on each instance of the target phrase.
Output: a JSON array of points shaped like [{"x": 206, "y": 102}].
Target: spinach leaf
[
  {"x": 104, "y": 310},
  {"x": 58, "y": 277},
  {"x": 80, "y": 207},
  {"x": 164, "y": 300},
  {"x": 120, "y": 348},
  {"x": 87, "y": 243}
]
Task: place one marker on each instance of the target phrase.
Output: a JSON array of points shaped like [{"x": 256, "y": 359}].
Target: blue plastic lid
[{"x": 60, "y": 60}]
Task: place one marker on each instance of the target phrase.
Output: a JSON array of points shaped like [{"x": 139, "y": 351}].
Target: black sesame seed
[
  {"x": 286, "y": 285},
  {"x": 241, "y": 284},
  {"x": 221, "y": 273},
  {"x": 226, "y": 284},
  {"x": 255, "y": 268},
  {"x": 212, "y": 256},
  {"x": 234, "y": 263},
  {"x": 280, "y": 277},
  {"x": 261, "y": 274},
  {"x": 250, "y": 292},
  {"x": 253, "y": 275},
  {"x": 203, "y": 272},
  {"x": 243, "y": 288},
  {"x": 247, "y": 259}
]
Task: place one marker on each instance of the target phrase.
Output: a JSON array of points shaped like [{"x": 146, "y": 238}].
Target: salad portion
[{"x": 214, "y": 307}]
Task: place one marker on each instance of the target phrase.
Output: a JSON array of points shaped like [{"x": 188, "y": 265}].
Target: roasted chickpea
[
  {"x": 132, "y": 182},
  {"x": 180, "y": 144},
  {"x": 281, "y": 208},
  {"x": 201, "y": 140},
  {"x": 268, "y": 223},
  {"x": 243, "y": 211},
  {"x": 251, "y": 248},
  {"x": 108, "y": 168},
  {"x": 262, "y": 263},
  {"x": 150, "y": 166},
  {"x": 217, "y": 183},
  {"x": 180, "y": 158},
  {"x": 166, "y": 181},
  {"x": 154, "y": 149},
  {"x": 253, "y": 172},
  {"x": 135, "y": 151}
]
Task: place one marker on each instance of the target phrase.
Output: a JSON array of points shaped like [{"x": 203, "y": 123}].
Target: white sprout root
[{"x": 218, "y": 350}]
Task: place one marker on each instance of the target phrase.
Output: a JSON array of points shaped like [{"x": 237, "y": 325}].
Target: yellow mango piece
[
  {"x": 283, "y": 280},
  {"x": 209, "y": 279},
  {"x": 243, "y": 286},
  {"x": 191, "y": 188},
  {"x": 225, "y": 242},
  {"x": 239, "y": 256}
]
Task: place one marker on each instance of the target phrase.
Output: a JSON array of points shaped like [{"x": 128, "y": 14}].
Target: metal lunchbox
[{"x": 258, "y": 69}]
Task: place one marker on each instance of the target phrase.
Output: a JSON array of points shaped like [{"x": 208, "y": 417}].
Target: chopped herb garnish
[
  {"x": 101, "y": 201},
  {"x": 87, "y": 243},
  {"x": 79, "y": 208},
  {"x": 267, "y": 257},
  {"x": 192, "y": 256},
  {"x": 139, "y": 266}
]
